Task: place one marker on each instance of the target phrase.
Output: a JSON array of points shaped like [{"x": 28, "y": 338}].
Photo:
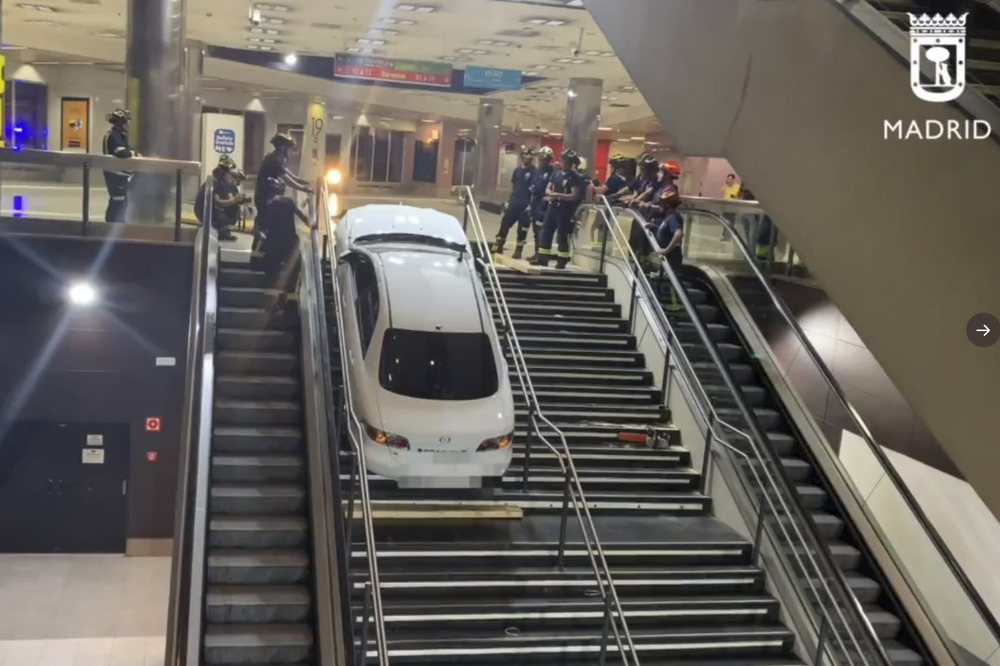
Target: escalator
[
  {"x": 799, "y": 97},
  {"x": 252, "y": 579}
]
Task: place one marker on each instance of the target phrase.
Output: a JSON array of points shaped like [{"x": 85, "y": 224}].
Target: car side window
[{"x": 366, "y": 301}]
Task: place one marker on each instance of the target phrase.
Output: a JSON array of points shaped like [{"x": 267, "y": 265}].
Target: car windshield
[
  {"x": 438, "y": 366},
  {"x": 399, "y": 237}
]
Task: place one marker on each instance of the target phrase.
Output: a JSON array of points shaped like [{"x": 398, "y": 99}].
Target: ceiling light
[
  {"x": 264, "y": 47},
  {"x": 428, "y": 120},
  {"x": 260, "y": 40},
  {"x": 371, "y": 42},
  {"x": 448, "y": 58},
  {"x": 571, "y": 93},
  {"x": 273, "y": 8},
  {"x": 264, "y": 31},
  {"x": 599, "y": 54},
  {"x": 47, "y": 22},
  {"x": 361, "y": 51},
  {"x": 291, "y": 59},
  {"x": 467, "y": 51},
  {"x": 425, "y": 9},
  {"x": 605, "y": 129},
  {"x": 494, "y": 42},
  {"x": 531, "y": 73},
  {"x": 552, "y": 23},
  {"x": 573, "y": 61},
  {"x": 382, "y": 32},
  {"x": 336, "y": 117},
  {"x": 637, "y": 138},
  {"x": 388, "y": 20},
  {"x": 81, "y": 293},
  {"x": 272, "y": 20},
  {"x": 37, "y": 8}
]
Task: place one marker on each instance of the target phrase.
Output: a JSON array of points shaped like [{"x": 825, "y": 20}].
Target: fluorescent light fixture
[
  {"x": 37, "y": 8},
  {"x": 571, "y": 93},
  {"x": 550, "y": 22},
  {"x": 382, "y": 32},
  {"x": 637, "y": 138},
  {"x": 467, "y": 51},
  {"x": 81, "y": 293},
  {"x": 260, "y": 40},
  {"x": 494, "y": 42},
  {"x": 424, "y": 9},
  {"x": 371, "y": 42},
  {"x": 388, "y": 20},
  {"x": 272, "y": 20},
  {"x": 264, "y": 31},
  {"x": 361, "y": 51},
  {"x": 428, "y": 120},
  {"x": 291, "y": 59},
  {"x": 448, "y": 58},
  {"x": 572, "y": 61},
  {"x": 262, "y": 47},
  {"x": 604, "y": 129},
  {"x": 599, "y": 54},
  {"x": 531, "y": 73},
  {"x": 273, "y": 8}
]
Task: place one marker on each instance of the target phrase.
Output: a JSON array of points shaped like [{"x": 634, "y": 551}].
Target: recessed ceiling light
[
  {"x": 382, "y": 32},
  {"x": 337, "y": 117},
  {"x": 37, "y": 8},
  {"x": 494, "y": 42},
  {"x": 531, "y": 73},
  {"x": 428, "y": 120},
  {"x": 573, "y": 61},
  {"x": 388, "y": 20},
  {"x": 272, "y": 20},
  {"x": 361, "y": 51},
  {"x": 637, "y": 138},
  {"x": 260, "y": 40},
  {"x": 426, "y": 9},
  {"x": 599, "y": 54},
  {"x": 48, "y": 22},
  {"x": 550, "y": 22},
  {"x": 467, "y": 51},
  {"x": 264, "y": 31},
  {"x": 263, "y": 47},
  {"x": 371, "y": 42},
  {"x": 448, "y": 58},
  {"x": 273, "y": 8},
  {"x": 605, "y": 129}
]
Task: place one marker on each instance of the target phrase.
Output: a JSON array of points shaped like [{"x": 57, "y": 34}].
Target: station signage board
[
  {"x": 394, "y": 70},
  {"x": 492, "y": 78}
]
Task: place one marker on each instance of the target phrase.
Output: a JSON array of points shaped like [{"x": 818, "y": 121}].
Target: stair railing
[
  {"x": 841, "y": 620},
  {"x": 372, "y": 610},
  {"x": 948, "y": 627},
  {"x": 187, "y": 575},
  {"x": 573, "y": 495}
]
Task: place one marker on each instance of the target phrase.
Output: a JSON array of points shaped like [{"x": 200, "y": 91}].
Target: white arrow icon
[{"x": 985, "y": 330}]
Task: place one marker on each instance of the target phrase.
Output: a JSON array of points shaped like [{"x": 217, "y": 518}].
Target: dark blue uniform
[
  {"x": 665, "y": 230},
  {"x": 559, "y": 217},
  {"x": 116, "y": 144},
  {"x": 615, "y": 184},
  {"x": 539, "y": 183},
  {"x": 273, "y": 166},
  {"x": 517, "y": 209}
]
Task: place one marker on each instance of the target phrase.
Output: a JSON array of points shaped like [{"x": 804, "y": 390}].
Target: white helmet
[
  {"x": 583, "y": 164},
  {"x": 545, "y": 153}
]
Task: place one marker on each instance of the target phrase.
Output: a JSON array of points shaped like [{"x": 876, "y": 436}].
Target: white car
[{"x": 428, "y": 378}]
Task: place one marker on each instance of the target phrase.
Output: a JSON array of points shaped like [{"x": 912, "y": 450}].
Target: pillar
[
  {"x": 583, "y": 116},
  {"x": 155, "y": 91},
  {"x": 488, "y": 146},
  {"x": 194, "y": 69},
  {"x": 313, "y": 164}
]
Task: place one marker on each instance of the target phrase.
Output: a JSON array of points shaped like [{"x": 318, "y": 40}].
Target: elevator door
[{"x": 63, "y": 487}]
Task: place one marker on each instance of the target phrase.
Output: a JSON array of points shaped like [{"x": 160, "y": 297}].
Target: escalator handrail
[
  {"x": 331, "y": 585},
  {"x": 355, "y": 433},
  {"x": 782, "y": 487},
  {"x": 588, "y": 529},
  {"x": 187, "y": 577},
  {"x": 889, "y": 469}
]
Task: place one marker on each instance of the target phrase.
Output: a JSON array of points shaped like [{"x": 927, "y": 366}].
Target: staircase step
[
  {"x": 265, "y": 439},
  {"x": 257, "y": 469},
  {"x": 550, "y": 280},
  {"x": 257, "y": 604},
  {"x": 554, "y": 358},
  {"x": 590, "y": 376},
  {"x": 539, "y": 322},
  {"x": 256, "y": 318},
  {"x": 262, "y": 387},
  {"x": 258, "y": 412},
  {"x": 258, "y": 499},
  {"x": 569, "y": 394},
  {"x": 258, "y": 363},
  {"x": 257, "y": 531},
  {"x": 547, "y": 294},
  {"x": 674, "y": 480},
  {"x": 246, "y": 297},
  {"x": 258, "y": 566},
  {"x": 581, "y": 341},
  {"x": 242, "y": 277},
  {"x": 258, "y": 644},
  {"x": 529, "y": 307},
  {"x": 646, "y": 414},
  {"x": 696, "y": 351},
  {"x": 239, "y": 339}
]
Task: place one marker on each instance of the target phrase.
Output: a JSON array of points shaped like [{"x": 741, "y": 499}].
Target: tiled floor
[{"x": 69, "y": 610}]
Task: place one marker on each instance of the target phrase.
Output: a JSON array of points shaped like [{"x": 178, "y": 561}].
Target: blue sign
[
  {"x": 225, "y": 141},
  {"x": 490, "y": 77}
]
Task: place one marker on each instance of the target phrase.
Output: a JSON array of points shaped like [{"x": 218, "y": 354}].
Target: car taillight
[
  {"x": 386, "y": 438},
  {"x": 496, "y": 443}
]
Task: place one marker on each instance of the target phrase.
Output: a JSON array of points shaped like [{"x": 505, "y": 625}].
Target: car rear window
[{"x": 438, "y": 366}]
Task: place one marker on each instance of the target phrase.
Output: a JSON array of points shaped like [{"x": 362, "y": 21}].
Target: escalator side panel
[{"x": 798, "y": 99}]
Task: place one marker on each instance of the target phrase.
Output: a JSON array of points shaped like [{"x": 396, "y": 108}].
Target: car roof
[
  {"x": 378, "y": 219},
  {"x": 431, "y": 290}
]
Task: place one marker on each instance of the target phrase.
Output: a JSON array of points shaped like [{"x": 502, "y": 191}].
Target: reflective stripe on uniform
[
  {"x": 544, "y": 251},
  {"x": 565, "y": 255},
  {"x": 114, "y": 198},
  {"x": 119, "y": 150}
]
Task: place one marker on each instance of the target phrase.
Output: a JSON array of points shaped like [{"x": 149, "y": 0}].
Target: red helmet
[{"x": 671, "y": 167}]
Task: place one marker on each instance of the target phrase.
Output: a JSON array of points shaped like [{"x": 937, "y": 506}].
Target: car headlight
[
  {"x": 386, "y": 438},
  {"x": 334, "y": 177},
  {"x": 496, "y": 443}
]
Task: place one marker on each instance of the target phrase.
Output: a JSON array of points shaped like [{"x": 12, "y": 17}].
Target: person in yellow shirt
[{"x": 731, "y": 190}]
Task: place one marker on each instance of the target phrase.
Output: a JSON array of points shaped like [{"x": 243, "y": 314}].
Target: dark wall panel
[{"x": 66, "y": 363}]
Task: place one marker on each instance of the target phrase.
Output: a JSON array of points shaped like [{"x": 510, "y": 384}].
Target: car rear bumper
[{"x": 412, "y": 469}]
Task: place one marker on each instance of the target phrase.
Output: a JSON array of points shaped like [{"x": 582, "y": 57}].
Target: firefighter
[
  {"x": 539, "y": 185},
  {"x": 519, "y": 204},
  {"x": 670, "y": 171},
  {"x": 564, "y": 194},
  {"x": 274, "y": 166},
  {"x": 669, "y": 238},
  {"x": 280, "y": 243},
  {"x": 116, "y": 144}
]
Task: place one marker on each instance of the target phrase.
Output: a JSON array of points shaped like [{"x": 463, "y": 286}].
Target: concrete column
[
  {"x": 583, "y": 116},
  {"x": 314, "y": 143},
  {"x": 194, "y": 68},
  {"x": 488, "y": 146},
  {"x": 155, "y": 91}
]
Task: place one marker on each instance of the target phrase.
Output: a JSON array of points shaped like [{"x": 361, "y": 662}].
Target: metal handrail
[
  {"x": 756, "y": 441},
  {"x": 862, "y": 429},
  {"x": 355, "y": 433},
  {"x": 153, "y": 165},
  {"x": 187, "y": 575},
  {"x": 574, "y": 488}
]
